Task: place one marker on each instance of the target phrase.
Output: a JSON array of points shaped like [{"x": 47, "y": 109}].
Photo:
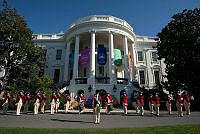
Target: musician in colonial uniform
[
  {"x": 58, "y": 101},
  {"x": 81, "y": 101},
  {"x": 169, "y": 104},
  {"x": 6, "y": 100},
  {"x": 151, "y": 103},
  {"x": 53, "y": 102},
  {"x": 141, "y": 103},
  {"x": 97, "y": 103},
  {"x": 136, "y": 102},
  {"x": 186, "y": 102},
  {"x": 108, "y": 101},
  {"x": 27, "y": 98},
  {"x": 67, "y": 102},
  {"x": 179, "y": 104},
  {"x": 37, "y": 101},
  {"x": 157, "y": 104},
  {"x": 43, "y": 102},
  {"x": 124, "y": 101},
  {"x": 19, "y": 102}
]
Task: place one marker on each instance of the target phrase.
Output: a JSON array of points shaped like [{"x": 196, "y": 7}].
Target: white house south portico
[{"x": 101, "y": 52}]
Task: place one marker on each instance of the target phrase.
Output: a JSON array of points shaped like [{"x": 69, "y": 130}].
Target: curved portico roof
[{"x": 99, "y": 22}]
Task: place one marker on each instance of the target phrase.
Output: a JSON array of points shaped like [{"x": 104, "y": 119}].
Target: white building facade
[{"x": 101, "y": 52}]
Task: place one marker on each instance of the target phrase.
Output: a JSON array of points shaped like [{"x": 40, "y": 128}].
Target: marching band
[{"x": 181, "y": 99}]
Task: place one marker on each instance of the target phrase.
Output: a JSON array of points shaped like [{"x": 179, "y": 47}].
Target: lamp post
[
  {"x": 90, "y": 88},
  {"x": 114, "y": 88}
]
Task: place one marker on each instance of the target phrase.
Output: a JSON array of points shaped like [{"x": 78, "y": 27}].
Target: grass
[{"x": 179, "y": 129}]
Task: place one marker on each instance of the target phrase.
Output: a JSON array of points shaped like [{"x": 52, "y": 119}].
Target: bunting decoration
[
  {"x": 71, "y": 60},
  {"x": 84, "y": 56},
  {"x": 101, "y": 55},
  {"x": 129, "y": 60},
  {"x": 117, "y": 57}
]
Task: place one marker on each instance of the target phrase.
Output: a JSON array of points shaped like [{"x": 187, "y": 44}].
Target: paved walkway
[{"x": 84, "y": 120}]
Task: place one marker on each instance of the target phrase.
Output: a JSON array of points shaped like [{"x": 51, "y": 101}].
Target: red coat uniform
[
  {"x": 81, "y": 99},
  {"x": 151, "y": 100},
  {"x": 169, "y": 100},
  {"x": 7, "y": 97},
  {"x": 59, "y": 97},
  {"x": 37, "y": 97},
  {"x": 18, "y": 98},
  {"x": 43, "y": 98},
  {"x": 53, "y": 97},
  {"x": 67, "y": 98},
  {"x": 97, "y": 102},
  {"x": 136, "y": 100},
  {"x": 157, "y": 100},
  {"x": 108, "y": 98},
  {"x": 26, "y": 98},
  {"x": 178, "y": 98},
  {"x": 124, "y": 99},
  {"x": 186, "y": 97},
  {"x": 141, "y": 99}
]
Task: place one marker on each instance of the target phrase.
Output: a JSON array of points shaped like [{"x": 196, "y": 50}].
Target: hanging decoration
[
  {"x": 71, "y": 60},
  {"x": 129, "y": 60},
  {"x": 84, "y": 56},
  {"x": 117, "y": 57},
  {"x": 101, "y": 55}
]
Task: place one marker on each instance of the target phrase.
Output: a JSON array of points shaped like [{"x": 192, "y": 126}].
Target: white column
[
  {"x": 66, "y": 67},
  {"x": 111, "y": 59},
  {"x": 76, "y": 58},
  {"x": 133, "y": 61},
  {"x": 91, "y": 79},
  {"x": 127, "y": 73}
]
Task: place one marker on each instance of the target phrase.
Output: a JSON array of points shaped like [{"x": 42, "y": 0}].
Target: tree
[
  {"x": 180, "y": 47},
  {"x": 21, "y": 59}
]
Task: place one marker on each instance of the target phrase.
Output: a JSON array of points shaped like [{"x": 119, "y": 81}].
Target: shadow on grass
[{"x": 71, "y": 121}]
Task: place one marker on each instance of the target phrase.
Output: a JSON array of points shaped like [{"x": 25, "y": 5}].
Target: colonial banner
[
  {"x": 129, "y": 60},
  {"x": 84, "y": 56},
  {"x": 117, "y": 57},
  {"x": 71, "y": 60},
  {"x": 101, "y": 55}
]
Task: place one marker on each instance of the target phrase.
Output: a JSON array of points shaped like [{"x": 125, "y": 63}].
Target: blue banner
[
  {"x": 101, "y": 55},
  {"x": 71, "y": 60}
]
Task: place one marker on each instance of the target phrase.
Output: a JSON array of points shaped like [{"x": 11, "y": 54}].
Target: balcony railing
[
  {"x": 102, "y": 80},
  {"x": 101, "y": 18},
  {"x": 81, "y": 80},
  {"x": 122, "y": 81}
]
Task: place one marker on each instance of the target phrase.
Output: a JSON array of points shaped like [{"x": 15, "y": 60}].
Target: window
[
  {"x": 154, "y": 56},
  {"x": 58, "y": 54},
  {"x": 101, "y": 71},
  {"x": 142, "y": 77},
  {"x": 140, "y": 55},
  {"x": 157, "y": 77},
  {"x": 56, "y": 75}
]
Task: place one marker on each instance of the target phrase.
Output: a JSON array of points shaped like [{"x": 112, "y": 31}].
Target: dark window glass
[
  {"x": 140, "y": 56},
  {"x": 56, "y": 75},
  {"x": 157, "y": 77},
  {"x": 154, "y": 56},
  {"x": 58, "y": 54},
  {"x": 142, "y": 77}
]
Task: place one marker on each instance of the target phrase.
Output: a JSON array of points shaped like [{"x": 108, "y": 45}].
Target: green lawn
[{"x": 182, "y": 129}]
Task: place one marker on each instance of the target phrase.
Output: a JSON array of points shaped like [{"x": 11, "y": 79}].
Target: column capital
[
  {"x": 92, "y": 31},
  {"x": 111, "y": 32}
]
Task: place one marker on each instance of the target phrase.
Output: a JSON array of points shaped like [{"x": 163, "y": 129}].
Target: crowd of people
[{"x": 181, "y": 99}]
